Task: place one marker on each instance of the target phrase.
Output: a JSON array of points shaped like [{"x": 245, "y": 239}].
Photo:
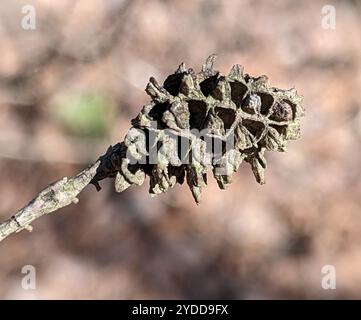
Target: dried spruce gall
[{"x": 201, "y": 122}]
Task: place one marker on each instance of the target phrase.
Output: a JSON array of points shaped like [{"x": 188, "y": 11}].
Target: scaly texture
[{"x": 240, "y": 109}]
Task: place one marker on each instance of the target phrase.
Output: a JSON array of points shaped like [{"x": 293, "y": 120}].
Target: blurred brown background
[{"x": 69, "y": 89}]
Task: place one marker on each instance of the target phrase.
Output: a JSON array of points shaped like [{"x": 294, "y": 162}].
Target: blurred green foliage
[{"x": 87, "y": 114}]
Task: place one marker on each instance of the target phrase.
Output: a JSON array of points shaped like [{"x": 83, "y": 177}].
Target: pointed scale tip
[
  {"x": 209, "y": 62},
  {"x": 182, "y": 68},
  {"x": 236, "y": 72}
]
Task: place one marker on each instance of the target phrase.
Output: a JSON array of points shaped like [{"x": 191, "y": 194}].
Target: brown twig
[
  {"x": 57, "y": 195},
  {"x": 64, "y": 192}
]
